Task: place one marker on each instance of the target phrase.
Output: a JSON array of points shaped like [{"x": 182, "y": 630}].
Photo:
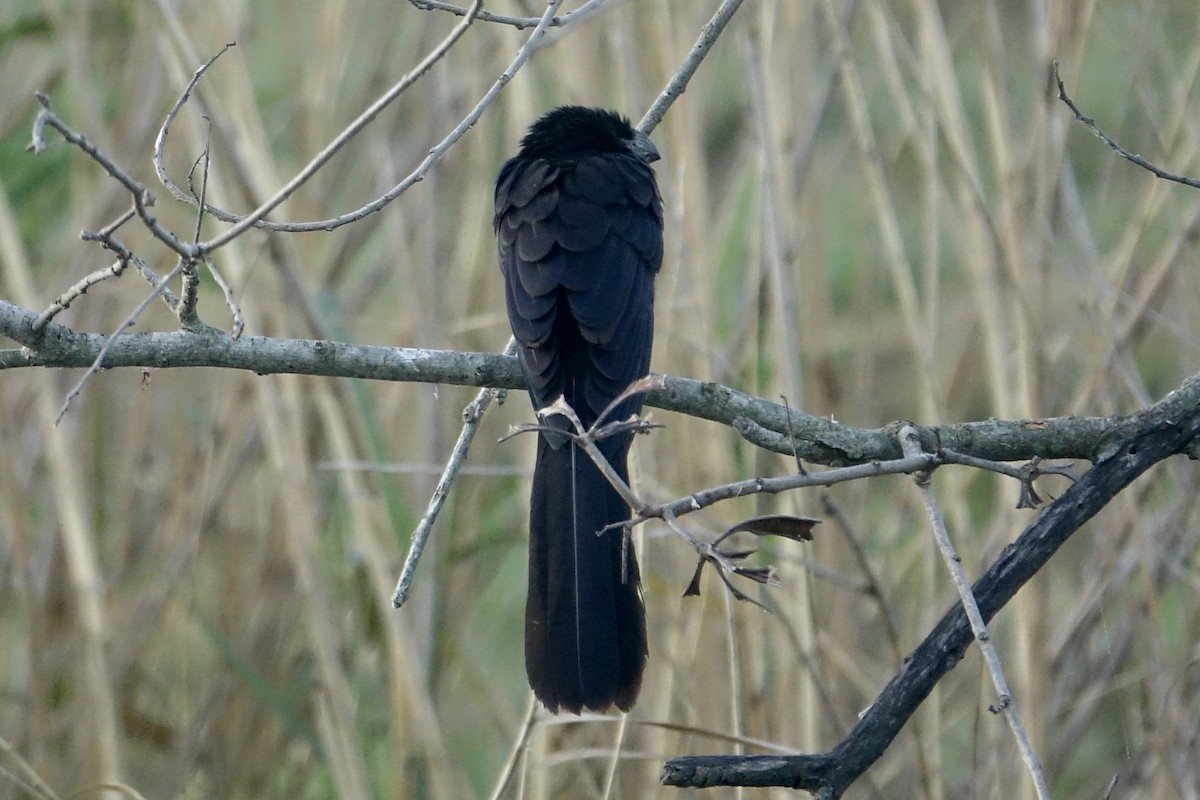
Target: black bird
[{"x": 579, "y": 228}]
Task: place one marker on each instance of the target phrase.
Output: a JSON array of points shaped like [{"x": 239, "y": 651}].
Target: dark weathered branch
[{"x": 1165, "y": 430}]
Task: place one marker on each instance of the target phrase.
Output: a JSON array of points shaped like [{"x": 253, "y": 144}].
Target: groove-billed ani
[{"x": 579, "y": 228}]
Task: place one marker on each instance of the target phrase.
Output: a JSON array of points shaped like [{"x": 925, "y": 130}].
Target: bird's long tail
[{"x": 585, "y": 625}]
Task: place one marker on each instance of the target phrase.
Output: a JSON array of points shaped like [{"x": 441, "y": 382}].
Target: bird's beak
[{"x": 643, "y": 148}]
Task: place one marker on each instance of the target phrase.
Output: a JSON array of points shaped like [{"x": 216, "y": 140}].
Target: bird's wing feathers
[
  {"x": 598, "y": 178},
  {"x": 583, "y": 239},
  {"x": 525, "y": 184}
]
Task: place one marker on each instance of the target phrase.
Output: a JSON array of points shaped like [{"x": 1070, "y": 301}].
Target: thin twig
[
  {"x": 677, "y": 85},
  {"x": 517, "y": 751},
  {"x": 243, "y": 223},
  {"x": 143, "y": 200},
  {"x": 1135, "y": 158},
  {"x": 986, "y": 464},
  {"x": 149, "y": 275},
  {"x": 64, "y": 300},
  {"x": 716, "y": 494},
  {"x": 160, "y": 141},
  {"x": 129, "y": 320},
  {"x": 418, "y": 174},
  {"x": 640, "y": 386},
  {"x": 256, "y": 217},
  {"x": 235, "y": 311},
  {"x": 189, "y": 293},
  {"x": 520, "y": 23},
  {"x": 108, "y": 230},
  {"x": 1025, "y": 473},
  {"x": 910, "y": 440},
  {"x": 105, "y": 236},
  {"x": 724, "y": 564},
  {"x": 585, "y": 439},
  {"x": 791, "y": 432},
  {"x": 123, "y": 260},
  {"x": 472, "y": 415}
]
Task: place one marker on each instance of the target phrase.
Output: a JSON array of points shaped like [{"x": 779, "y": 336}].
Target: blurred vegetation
[{"x": 197, "y": 583}]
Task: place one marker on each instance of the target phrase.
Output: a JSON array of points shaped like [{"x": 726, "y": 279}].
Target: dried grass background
[{"x": 894, "y": 219}]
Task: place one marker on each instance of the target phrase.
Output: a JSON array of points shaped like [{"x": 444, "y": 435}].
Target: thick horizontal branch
[
  {"x": 818, "y": 439},
  {"x": 60, "y": 346}
]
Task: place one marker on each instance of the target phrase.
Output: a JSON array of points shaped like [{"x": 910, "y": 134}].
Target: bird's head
[{"x": 574, "y": 131}]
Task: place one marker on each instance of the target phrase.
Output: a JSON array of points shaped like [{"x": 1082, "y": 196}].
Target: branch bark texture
[{"x": 762, "y": 422}]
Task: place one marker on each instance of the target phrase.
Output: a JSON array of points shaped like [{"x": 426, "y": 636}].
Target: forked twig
[
  {"x": 257, "y": 217},
  {"x": 129, "y": 320},
  {"x": 143, "y": 200},
  {"x": 585, "y": 438},
  {"x": 64, "y": 300},
  {"x": 160, "y": 141}
]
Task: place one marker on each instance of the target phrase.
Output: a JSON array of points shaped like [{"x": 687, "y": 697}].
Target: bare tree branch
[
  {"x": 1134, "y": 158},
  {"x": 520, "y": 23},
  {"x": 472, "y": 415},
  {"x": 256, "y": 217},
  {"x": 679, "y": 81},
  {"x": 1164, "y": 430},
  {"x": 1005, "y": 703},
  {"x": 108, "y": 342},
  {"x": 1124, "y": 446},
  {"x": 817, "y": 439},
  {"x": 64, "y": 300},
  {"x": 252, "y": 219},
  {"x": 143, "y": 200},
  {"x": 697, "y": 501}
]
